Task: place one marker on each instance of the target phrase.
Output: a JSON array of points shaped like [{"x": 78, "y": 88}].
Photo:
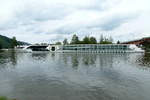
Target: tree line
[
  {"x": 87, "y": 40},
  {"x": 13, "y": 42}
]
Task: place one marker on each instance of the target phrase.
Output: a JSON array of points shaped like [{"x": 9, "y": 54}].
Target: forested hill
[{"x": 6, "y": 42}]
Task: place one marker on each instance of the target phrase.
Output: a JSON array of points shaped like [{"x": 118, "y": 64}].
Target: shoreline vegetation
[
  {"x": 7, "y": 43},
  {"x": 87, "y": 40},
  {"x": 5, "y": 98}
]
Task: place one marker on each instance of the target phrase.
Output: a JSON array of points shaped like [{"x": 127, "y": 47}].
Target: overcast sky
[{"x": 53, "y": 20}]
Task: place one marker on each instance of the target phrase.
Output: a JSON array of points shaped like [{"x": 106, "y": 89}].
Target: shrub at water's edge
[{"x": 5, "y": 98}]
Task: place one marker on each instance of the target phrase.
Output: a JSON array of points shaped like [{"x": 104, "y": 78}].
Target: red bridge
[{"x": 138, "y": 42}]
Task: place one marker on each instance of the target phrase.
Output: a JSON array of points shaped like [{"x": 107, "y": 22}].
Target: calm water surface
[{"x": 66, "y": 76}]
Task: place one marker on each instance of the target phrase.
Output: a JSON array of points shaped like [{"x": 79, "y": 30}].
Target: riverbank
[
  {"x": 5, "y": 98},
  {"x": 1, "y": 50}
]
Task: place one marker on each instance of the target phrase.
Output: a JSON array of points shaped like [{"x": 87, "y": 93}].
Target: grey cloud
[
  {"x": 65, "y": 18},
  {"x": 67, "y": 29},
  {"x": 112, "y": 22},
  {"x": 47, "y": 13},
  {"x": 109, "y": 25},
  {"x": 30, "y": 13},
  {"x": 115, "y": 22},
  {"x": 8, "y": 25}
]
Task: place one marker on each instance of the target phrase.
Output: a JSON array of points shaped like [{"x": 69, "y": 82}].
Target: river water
[{"x": 82, "y": 76}]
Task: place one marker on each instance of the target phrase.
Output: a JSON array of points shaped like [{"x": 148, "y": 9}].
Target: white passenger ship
[
  {"x": 95, "y": 48},
  {"x": 91, "y": 48}
]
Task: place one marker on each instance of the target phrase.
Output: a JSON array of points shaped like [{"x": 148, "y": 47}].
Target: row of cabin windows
[
  {"x": 91, "y": 46},
  {"x": 65, "y": 48}
]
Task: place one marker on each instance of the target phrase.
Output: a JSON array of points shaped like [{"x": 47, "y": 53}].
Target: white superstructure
[{"x": 97, "y": 48}]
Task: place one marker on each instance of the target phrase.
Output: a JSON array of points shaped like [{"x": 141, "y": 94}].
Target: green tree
[
  {"x": 58, "y": 43},
  {"x": 86, "y": 40},
  {"x": 101, "y": 39},
  {"x": 110, "y": 39},
  {"x": 93, "y": 40},
  {"x": 146, "y": 45},
  {"x": 105, "y": 40},
  {"x": 75, "y": 39},
  {"x": 43, "y": 44},
  {"x": 118, "y": 42},
  {"x": 14, "y": 42},
  {"x": 65, "y": 41},
  {"x": 0, "y": 45},
  {"x": 3, "y": 98}
]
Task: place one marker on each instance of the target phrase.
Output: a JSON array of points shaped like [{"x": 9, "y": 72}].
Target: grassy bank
[{"x": 5, "y": 98}]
